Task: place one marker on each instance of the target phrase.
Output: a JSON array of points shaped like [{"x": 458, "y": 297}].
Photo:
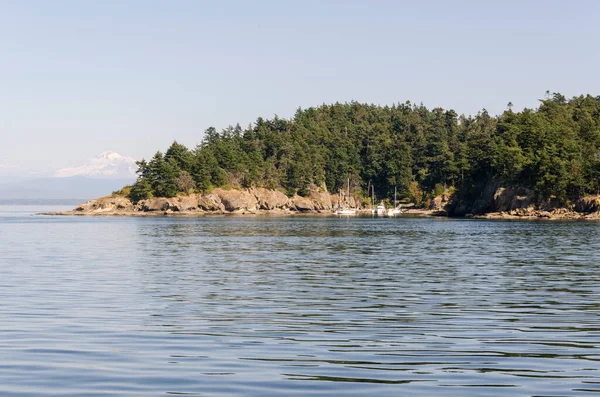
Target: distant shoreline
[
  {"x": 32, "y": 202},
  {"x": 562, "y": 215},
  {"x": 258, "y": 213},
  {"x": 503, "y": 203}
]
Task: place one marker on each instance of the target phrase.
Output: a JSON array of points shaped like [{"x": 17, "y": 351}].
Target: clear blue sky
[{"x": 81, "y": 77}]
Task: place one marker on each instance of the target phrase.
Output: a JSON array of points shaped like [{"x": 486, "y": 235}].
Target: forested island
[{"x": 535, "y": 161}]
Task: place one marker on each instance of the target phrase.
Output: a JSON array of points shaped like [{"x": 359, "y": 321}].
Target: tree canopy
[{"x": 553, "y": 150}]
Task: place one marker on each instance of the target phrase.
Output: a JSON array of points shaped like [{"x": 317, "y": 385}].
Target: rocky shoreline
[
  {"x": 533, "y": 214},
  {"x": 500, "y": 203},
  {"x": 221, "y": 202},
  {"x": 218, "y": 202},
  {"x": 497, "y": 202}
]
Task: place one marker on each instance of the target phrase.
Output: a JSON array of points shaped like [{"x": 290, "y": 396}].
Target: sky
[{"x": 78, "y": 78}]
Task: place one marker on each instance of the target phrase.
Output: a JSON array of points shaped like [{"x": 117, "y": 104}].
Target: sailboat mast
[
  {"x": 372, "y": 196},
  {"x": 348, "y": 192}
]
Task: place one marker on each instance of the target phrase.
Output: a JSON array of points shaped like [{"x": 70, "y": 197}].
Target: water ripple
[{"x": 298, "y": 306}]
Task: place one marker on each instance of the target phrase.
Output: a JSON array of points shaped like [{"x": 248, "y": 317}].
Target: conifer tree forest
[{"x": 553, "y": 150}]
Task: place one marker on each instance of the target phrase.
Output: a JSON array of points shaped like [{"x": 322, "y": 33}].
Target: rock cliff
[
  {"x": 219, "y": 201},
  {"x": 519, "y": 203}
]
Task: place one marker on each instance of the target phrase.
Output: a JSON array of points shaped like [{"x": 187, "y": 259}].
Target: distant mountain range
[{"x": 99, "y": 176}]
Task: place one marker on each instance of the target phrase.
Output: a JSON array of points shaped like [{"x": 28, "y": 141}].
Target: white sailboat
[
  {"x": 381, "y": 209},
  {"x": 346, "y": 210},
  {"x": 396, "y": 210}
]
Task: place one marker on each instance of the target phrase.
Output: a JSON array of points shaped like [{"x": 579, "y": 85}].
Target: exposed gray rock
[
  {"x": 303, "y": 204},
  {"x": 336, "y": 199},
  {"x": 210, "y": 202},
  {"x": 236, "y": 200},
  {"x": 268, "y": 199},
  {"x": 512, "y": 198},
  {"x": 106, "y": 204},
  {"x": 153, "y": 204},
  {"x": 322, "y": 199},
  {"x": 184, "y": 203}
]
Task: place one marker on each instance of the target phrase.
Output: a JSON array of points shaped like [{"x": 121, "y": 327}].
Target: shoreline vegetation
[{"x": 539, "y": 163}]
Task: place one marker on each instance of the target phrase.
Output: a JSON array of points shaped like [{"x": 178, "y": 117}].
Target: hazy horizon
[{"x": 131, "y": 77}]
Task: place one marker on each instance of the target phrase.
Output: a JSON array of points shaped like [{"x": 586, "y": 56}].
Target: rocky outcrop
[
  {"x": 270, "y": 199},
  {"x": 485, "y": 202},
  {"x": 237, "y": 200},
  {"x": 153, "y": 204},
  {"x": 210, "y": 202},
  {"x": 106, "y": 204},
  {"x": 512, "y": 198},
  {"x": 519, "y": 203},
  {"x": 302, "y": 204},
  {"x": 185, "y": 203},
  {"x": 588, "y": 204},
  {"x": 335, "y": 199},
  {"x": 492, "y": 198},
  {"x": 122, "y": 204},
  {"x": 533, "y": 213},
  {"x": 439, "y": 202},
  {"x": 218, "y": 201},
  {"x": 321, "y": 199}
]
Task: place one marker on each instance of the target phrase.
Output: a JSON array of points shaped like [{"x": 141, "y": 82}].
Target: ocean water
[{"x": 274, "y": 306}]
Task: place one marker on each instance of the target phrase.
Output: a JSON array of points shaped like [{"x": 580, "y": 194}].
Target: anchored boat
[
  {"x": 397, "y": 210},
  {"x": 346, "y": 210}
]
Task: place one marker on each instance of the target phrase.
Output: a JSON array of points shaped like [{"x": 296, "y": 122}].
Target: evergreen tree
[
  {"x": 163, "y": 176},
  {"x": 180, "y": 154},
  {"x": 141, "y": 190}
]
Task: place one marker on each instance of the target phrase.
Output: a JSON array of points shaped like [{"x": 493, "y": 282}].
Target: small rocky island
[{"x": 539, "y": 163}]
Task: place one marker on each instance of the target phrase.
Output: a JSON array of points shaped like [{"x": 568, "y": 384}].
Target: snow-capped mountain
[
  {"x": 107, "y": 165},
  {"x": 98, "y": 176}
]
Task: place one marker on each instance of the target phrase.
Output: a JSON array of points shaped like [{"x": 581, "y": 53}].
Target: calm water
[{"x": 297, "y": 306}]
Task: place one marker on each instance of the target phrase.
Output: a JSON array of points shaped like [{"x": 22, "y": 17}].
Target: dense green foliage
[{"x": 553, "y": 150}]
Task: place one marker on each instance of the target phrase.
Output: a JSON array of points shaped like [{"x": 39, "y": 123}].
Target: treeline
[{"x": 552, "y": 150}]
